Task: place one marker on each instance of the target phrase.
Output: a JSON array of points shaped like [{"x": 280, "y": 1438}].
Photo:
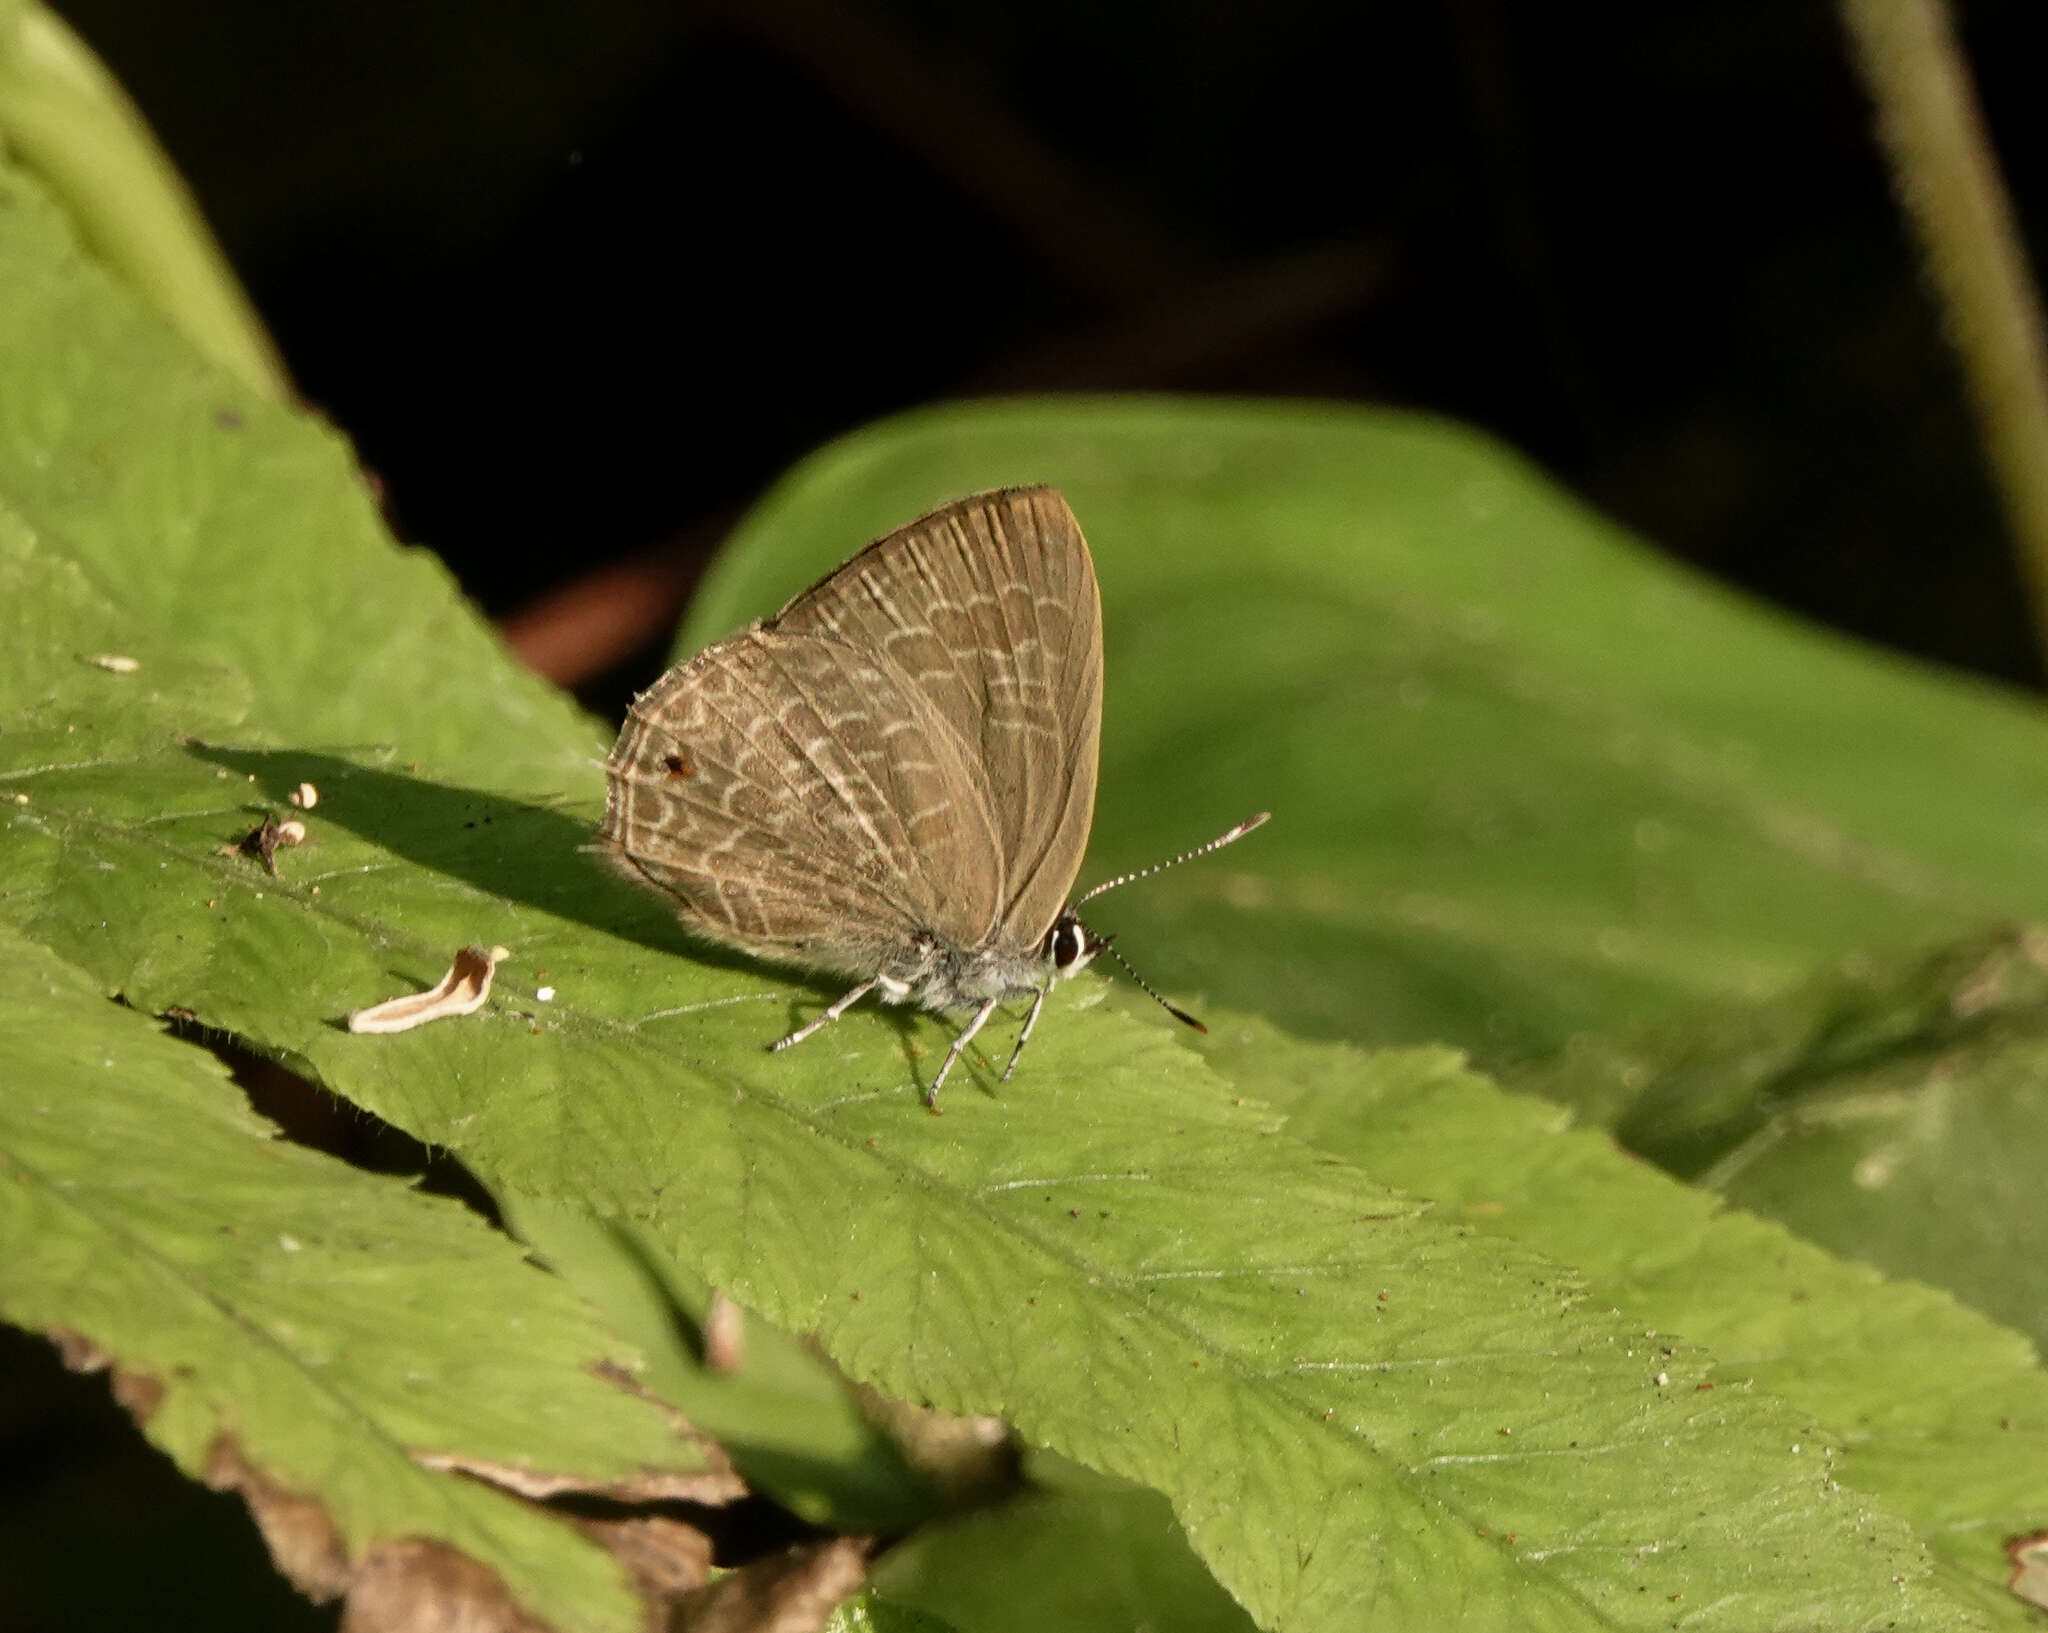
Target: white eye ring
[{"x": 1069, "y": 947}]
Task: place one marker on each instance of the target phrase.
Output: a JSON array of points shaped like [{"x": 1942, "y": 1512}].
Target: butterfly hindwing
[
  {"x": 989, "y": 606},
  {"x": 799, "y": 798}
]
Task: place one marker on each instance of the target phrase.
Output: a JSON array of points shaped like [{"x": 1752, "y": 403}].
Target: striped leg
[
  {"x": 829, "y": 1016},
  {"x": 981, "y": 1015},
  {"x": 1023, "y": 1037}
]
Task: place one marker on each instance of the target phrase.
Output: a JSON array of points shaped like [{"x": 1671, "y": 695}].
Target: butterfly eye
[{"x": 1068, "y": 945}]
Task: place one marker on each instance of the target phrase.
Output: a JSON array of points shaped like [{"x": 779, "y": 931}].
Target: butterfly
[{"x": 891, "y": 780}]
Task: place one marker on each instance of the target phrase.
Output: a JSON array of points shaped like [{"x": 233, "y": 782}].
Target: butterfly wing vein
[{"x": 907, "y": 749}]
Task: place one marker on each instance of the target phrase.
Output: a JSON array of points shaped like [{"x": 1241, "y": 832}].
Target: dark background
[{"x": 581, "y": 279}]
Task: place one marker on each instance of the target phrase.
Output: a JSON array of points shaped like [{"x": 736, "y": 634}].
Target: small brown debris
[
  {"x": 305, "y": 796},
  {"x": 463, "y": 991},
  {"x": 266, "y": 839},
  {"x": 115, "y": 663}
]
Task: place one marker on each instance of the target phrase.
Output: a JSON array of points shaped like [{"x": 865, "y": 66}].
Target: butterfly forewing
[
  {"x": 800, "y": 797},
  {"x": 989, "y": 608}
]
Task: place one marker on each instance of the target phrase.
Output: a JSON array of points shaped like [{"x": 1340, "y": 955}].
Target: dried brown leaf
[
  {"x": 138, "y": 1393},
  {"x": 794, "y": 1591},
  {"x": 711, "y": 1486},
  {"x": 665, "y": 1557},
  {"x": 717, "y": 1482},
  {"x": 301, "y": 1537},
  {"x": 418, "y": 1586}
]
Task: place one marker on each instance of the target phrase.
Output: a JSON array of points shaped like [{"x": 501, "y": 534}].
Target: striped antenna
[
  {"x": 1149, "y": 990},
  {"x": 1215, "y": 844}
]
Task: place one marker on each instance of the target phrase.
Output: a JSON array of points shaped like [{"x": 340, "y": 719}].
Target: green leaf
[
  {"x": 787, "y": 1420},
  {"x": 1111, "y": 1252},
  {"x": 238, "y": 529},
  {"x": 281, "y": 1323},
  {"x": 62, "y": 115},
  {"x": 1894, "y": 1111},
  {"x": 1179, "y": 1259},
  {"x": 1116, "y": 1251},
  {"x": 1529, "y": 780},
  {"x": 1077, "y": 1551},
  {"x": 1941, "y": 1415}
]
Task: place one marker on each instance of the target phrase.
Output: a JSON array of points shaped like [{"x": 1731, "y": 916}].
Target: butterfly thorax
[{"x": 933, "y": 974}]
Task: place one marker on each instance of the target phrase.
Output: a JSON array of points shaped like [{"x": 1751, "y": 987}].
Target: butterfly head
[{"x": 1069, "y": 945}]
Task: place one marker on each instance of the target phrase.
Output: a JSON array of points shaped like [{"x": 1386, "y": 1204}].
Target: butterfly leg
[
  {"x": 981, "y": 1015},
  {"x": 1023, "y": 1037},
  {"x": 828, "y": 1017}
]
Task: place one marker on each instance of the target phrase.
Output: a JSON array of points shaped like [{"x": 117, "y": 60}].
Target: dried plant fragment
[
  {"x": 462, "y": 991},
  {"x": 298, "y": 1530},
  {"x": 2029, "y": 1579},
  {"x": 137, "y": 1393},
  {"x": 710, "y": 1486},
  {"x": 114, "y": 663},
  {"x": 794, "y": 1591},
  {"x": 714, "y": 1482},
  {"x": 969, "y": 1459},
  {"x": 78, "y": 1352},
  {"x": 266, "y": 839},
  {"x": 416, "y": 1585},
  {"x": 398, "y": 1585},
  {"x": 666, "y": 1558}
]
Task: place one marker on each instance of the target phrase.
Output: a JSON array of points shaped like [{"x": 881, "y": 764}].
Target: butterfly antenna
[
  {"x": 1215, "y": 844},
  {"x": 1149, "y": 990}
]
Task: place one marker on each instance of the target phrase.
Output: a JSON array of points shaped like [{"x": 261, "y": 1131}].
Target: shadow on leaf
[{"x": 507, "y": 848}]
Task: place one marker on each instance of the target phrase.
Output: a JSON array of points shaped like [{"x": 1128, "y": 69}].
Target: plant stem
[{"x": 1947, "y": 179}]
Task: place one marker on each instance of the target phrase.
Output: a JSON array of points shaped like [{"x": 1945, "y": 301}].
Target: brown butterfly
[{"x": 893, "y": 778}]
